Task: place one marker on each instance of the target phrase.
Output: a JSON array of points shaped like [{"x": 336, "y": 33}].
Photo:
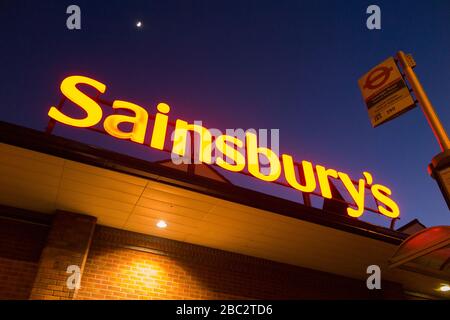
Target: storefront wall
[
  {"x": 21, "y": 244},
  {"x": 118, "y": 264}
]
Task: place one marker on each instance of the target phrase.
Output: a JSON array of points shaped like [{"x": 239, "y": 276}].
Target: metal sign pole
[{"x": 424, "y": 102}]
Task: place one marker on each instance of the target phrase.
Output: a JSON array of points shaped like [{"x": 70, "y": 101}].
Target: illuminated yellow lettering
[
  {"x": 253, "y": 152},
  {"x": 139, "y": 121},
  {"x": 322, "y": 175},
  {"x": 381, "y": 193},
  {"x": 230, "y": 152},
  {"x": 357, "y": 195},
  {"x": 299, "y": 176},
  {"x": 308, "y": 173},
  {"x": 93, "y": 110},
  {"x": 180, "y": 135},
  {"x": 160, "y": 127}
]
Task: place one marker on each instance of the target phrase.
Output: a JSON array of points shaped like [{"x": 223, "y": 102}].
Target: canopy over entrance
[{"x": 427, "y": 252}]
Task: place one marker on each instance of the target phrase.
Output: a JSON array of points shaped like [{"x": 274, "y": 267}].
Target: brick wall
[
  {"x": 118, "y": 264},
  {"x": 67, "y": 245},
  {"x": 21, "y": 244},
  {"x": 125, "y": 265}
]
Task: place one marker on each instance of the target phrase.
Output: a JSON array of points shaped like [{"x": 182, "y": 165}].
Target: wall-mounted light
[
  {"x": 161, "y": 224},
  {"x": 444, "y": 288}
]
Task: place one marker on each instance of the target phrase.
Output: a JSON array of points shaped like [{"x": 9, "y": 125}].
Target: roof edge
[{"x": 39, "y": 141}]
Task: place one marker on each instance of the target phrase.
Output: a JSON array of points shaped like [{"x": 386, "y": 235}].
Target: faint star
[{"x": 139, "y": 24}]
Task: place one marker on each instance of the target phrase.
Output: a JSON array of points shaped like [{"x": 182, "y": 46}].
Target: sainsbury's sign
[{"x": 315, "y": 176}]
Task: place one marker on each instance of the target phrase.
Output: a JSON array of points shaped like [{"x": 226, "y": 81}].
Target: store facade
[
  {"x": 65, "y": 203},
  {"x": 81, "y": 222}
]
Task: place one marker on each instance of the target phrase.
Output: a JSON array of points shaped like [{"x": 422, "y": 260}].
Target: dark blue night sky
[{"x": 291, "y": 65}]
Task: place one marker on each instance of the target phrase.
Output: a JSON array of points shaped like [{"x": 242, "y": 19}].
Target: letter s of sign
[
  {"x": 74, "y": 20},
  {"x": 74, "y": 280},
  {"x": 381, "y": 194},
  {"x": 92, "y": 108},
  {"x": 374, "y": 280},
  {"x": 374, "y": 20}
]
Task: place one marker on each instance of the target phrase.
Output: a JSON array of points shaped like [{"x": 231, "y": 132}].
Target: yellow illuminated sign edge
[{"x": 225, "y": 144}]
